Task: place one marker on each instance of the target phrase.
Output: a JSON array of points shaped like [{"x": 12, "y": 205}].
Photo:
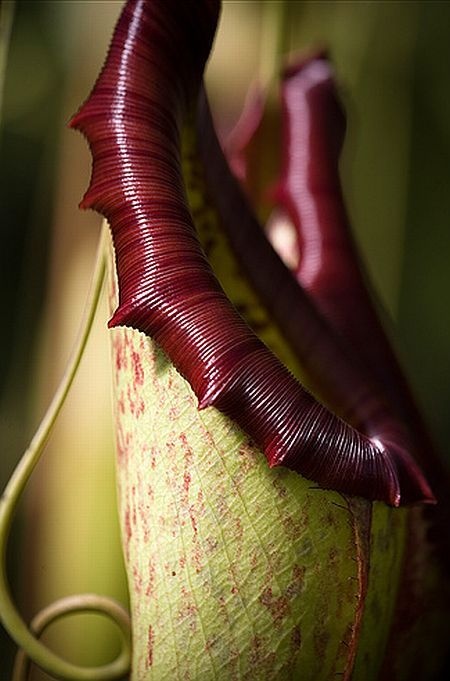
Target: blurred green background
[{"x": 392, "y": 63}]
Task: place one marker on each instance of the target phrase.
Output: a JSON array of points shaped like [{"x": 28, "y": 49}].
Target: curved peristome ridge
[
  {"x": 167, "y": 289},
  {"x": 337, "y": 370},
  {"x": 330, "y": 269}
]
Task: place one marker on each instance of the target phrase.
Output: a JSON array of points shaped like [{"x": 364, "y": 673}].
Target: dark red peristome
[
  {"x": 167, "y": 289},
  {"x": 343, "y": 379},
  {"x": 310, "y": 191},
  {"x": 245, "y": 129},
  {"x": 329, "y": 266}
]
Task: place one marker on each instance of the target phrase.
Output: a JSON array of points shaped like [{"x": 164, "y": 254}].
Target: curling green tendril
[
  {"x": 34, "y": 649},
  {"x": 61, "y": 608}
]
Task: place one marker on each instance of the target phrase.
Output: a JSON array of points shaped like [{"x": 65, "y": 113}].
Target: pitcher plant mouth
[{"x": 134, "y": 121}]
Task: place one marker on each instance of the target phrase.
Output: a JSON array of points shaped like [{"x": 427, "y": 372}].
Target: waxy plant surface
[{"x": 236, "y": 570}]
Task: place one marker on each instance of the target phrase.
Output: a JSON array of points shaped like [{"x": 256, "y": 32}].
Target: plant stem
[
  {"x": 61, "y": 608},
  {"x": 6, "y": 20},
  {"x": 10, "y": 616},
  {"x": 272, "y": 41}
]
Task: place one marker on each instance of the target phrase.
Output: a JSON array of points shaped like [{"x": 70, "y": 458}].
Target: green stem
[
  {"x": 61, "y": 608},
  {"x": 273, "y": 39},
  {"x": 6, "y": 20},
  {"x": 11, "y": 618}
]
